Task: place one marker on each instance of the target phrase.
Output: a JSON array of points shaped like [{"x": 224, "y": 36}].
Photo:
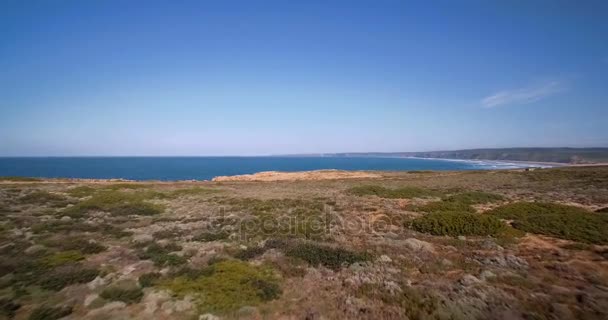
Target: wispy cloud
[{"x": 523, "y": 95}]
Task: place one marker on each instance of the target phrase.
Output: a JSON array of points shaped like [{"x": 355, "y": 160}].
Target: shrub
[
  {"x": 149, "y": 279},
  {"x": 332, "y": 258},
  {"x": 162, "y": 256},
  {"x": 520, "y": 210},
  {"x": 8, "y": 308},
  {"x": 196, "y": 191},
  {"x": 117, "y": 203},
  {"x": 81, "y": 191},
  {"x": 445, "y": 206},
  {"x": 40, "y": 197},
  {"x": 227, "y": 286},
  {"x": 126, "y": 295},
  {"x": 561, "y": 221},
  {"x": 50, "y": 313},
  {"x": 63, "y": 257},
  {"x": 67, "y": 275},
  {"x": 474, "y": 197},
  {"x": 382, "y": 192},
  {"x": 456, "y": 224},
  {"x": 211, "y": 236},
  {"x": 250, "y": 253},
  {"x": 77, "y": 243}
]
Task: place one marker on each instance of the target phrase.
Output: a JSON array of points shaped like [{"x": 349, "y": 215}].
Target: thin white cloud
[{"x": 523, "y": 95}]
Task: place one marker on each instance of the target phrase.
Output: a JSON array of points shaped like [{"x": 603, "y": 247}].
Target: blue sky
[{"x": 277, "y": 77}]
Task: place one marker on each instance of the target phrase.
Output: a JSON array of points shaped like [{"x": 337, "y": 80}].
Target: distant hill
[{"x": 561, "y": 155}]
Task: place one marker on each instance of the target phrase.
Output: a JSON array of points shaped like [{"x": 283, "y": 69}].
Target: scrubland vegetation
[{"x": 417, "y": 245}]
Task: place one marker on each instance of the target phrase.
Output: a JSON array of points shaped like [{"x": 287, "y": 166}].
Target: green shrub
[
  {"x": 67, "y": 275},
  {"x": 126, "y": 295},
  {"x": 117, "y": 203},
  {"x": 457, "y": 224},
  {"x": 149, "y": 279},
  {"x": 227, "y": 286},
  {"x": 561, "y": 221},
  {"x": 474, "y": 197},
  {"x": 63, "y": 257},
  {"x": 40, "y": 197},
  {"x": 250, "y": 253},
  {"x": 211, "y": 236},
  {"x": 416, "y": 304},
  {"x": 333, "y": 258},
  {"x": 520, "y": 210},
  {"x": 81, "y": 191},
  {"x": 50, "y": 313},
  {"x": 72, "y": 243},
  {"x": 382, "y": 192},
  {"x": 445, "y": 206},
  {"x": 162, "y": 256}
]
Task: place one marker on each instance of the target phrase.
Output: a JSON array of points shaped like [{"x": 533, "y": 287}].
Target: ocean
[{"x": 205, "y": 168}]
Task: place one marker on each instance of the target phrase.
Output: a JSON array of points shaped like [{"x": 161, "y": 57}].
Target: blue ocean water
[{"x": 205, "y": 168}]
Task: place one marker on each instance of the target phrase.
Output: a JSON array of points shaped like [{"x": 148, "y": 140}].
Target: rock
[
  {"x": 248, "y": 312},
  {"x": 462, "y": 238},
  {"x": 208, "y": 316},
  {"x": 65, "y": 219},
  {"x": 90, "y": 298},
  {"x": 37, "y": 248},
  {"x": 561, "y": 311},
  {"x": 418, "y": 245},
  {"x": 446, "y": 263},
  {"x": 143, "y": 238},
  {"x": 169, "y": 307},
  {"x": 487, "y": 274},
  {"x": 469, "y": 280},
  {"x": 489, "y": 244},
  {"x": 153, "y": 299},
  {"x": 508, "y": 261},
  {"x": 385, "y": 259},
  {"x": 96, "y": 283}
]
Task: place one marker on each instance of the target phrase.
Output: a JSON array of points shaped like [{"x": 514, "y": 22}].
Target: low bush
[
  {"x": 72, "y": 243},
  {"x": 117, "y": 203},
  {"x": 403, "y": 192},
  {"x": 81, "y": 191},
  {"x": 227, "y": 286},
  {"x": 196, "y": 191},
  {"x": 211, "y": 236},
  {"x": 332, "y": 258},
  {"x": 50, "y": 313},
  {"x": 474, "y": 197},
  {"x": 162, "y": 256},
  {"x": 457, "y": 224},
  {"x": 40, "y": 197},
  {"x": 126, "y": 295},
  {"x": 8, "y": 308},
  {"x": 445, "y": 206},
  {"x": 63, "y": 257},
  {"x": 520, "y": 210},
  {"x": 149, "y": 279},
  {"x": 250, "y": 253},
  {"x": 67, "y": 275},
  {"x": 561, "y": 221}
]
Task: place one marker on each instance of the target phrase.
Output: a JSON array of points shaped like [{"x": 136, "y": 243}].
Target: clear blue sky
[{"x": 274, "y": 77}]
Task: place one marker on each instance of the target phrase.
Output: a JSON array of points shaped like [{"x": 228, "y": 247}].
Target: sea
[{"x": 205, "y": 168}]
